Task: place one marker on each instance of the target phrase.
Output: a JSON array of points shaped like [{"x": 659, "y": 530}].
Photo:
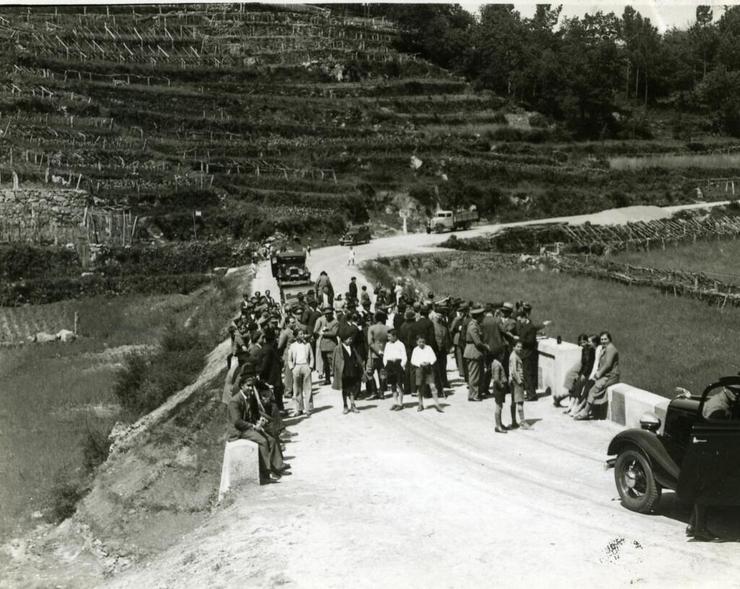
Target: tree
[{"x": 703, "y": 35}]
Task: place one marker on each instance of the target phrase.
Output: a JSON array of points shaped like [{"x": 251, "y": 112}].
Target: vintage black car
[{"x": 697, "y": 454}]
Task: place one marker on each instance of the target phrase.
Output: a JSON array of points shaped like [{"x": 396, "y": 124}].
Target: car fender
[{"x": 666, "y": 470}]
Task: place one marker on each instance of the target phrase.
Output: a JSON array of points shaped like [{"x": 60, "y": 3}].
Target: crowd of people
[{"x": 395, "y": 340}]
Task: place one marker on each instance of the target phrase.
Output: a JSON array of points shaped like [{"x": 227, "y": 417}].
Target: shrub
[
  {"x": 539, "y": 121},
  {"x": 64, "y": 496},
  {"x": 20, "y": 260},
  {"x": 148, "y": 379}
]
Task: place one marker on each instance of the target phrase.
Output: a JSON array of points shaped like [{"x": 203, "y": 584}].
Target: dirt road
[{"x": 407, "y": 499}]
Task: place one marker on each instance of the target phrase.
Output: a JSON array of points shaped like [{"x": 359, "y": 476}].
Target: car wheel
[{"x": 633, "y": 474}]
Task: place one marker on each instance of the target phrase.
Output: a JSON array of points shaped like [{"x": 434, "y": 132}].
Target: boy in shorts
[
  {"x": 516, "y": 383},
  {"x": 423, "y": 358}
]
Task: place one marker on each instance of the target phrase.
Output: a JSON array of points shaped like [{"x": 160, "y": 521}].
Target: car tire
[{"x": 635, "y": 480}]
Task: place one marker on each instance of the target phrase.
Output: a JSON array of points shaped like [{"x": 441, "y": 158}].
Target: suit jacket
[
  {"x": 243, "y": 413},
  {"x": 328, "y": 341},
  {"x": 423, "y": 326},
  {"x": 493, "y": 335},
  {"x": 442, "y": 337},
  {"x": 474, "y": 345},
  {"x": 269, "y": 369},
  {"x": 339, "y": 358}
]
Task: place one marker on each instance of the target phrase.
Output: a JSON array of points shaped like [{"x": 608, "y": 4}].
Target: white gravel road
[{"x": 407, "y": 499}]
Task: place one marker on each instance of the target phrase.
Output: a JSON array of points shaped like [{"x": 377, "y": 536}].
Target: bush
[
  {"x": 147, "y": 380},
  {"x": 64, "y": 496},
  {"x": 42, "y": 290},
  {"x": 20, "y": 260},
  {"x": 539, "y": 121}
]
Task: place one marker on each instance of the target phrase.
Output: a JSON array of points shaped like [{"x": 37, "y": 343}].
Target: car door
[{"x": 710, "y": 473}]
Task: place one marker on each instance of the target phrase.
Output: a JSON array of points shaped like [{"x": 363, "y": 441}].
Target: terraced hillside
[{"x": 287, "y": 117}]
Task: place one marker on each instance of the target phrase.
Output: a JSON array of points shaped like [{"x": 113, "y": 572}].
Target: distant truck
[
  {"x": 355, "y": 235},
  {"x": 292, "y": 275},
  {"x": 451, "y": 220}
]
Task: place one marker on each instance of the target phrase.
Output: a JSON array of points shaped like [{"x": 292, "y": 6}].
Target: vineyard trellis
[{"x": 671, "y": 282}]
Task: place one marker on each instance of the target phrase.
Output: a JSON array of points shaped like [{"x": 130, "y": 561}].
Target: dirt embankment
[{"x": 158, "y": 483}]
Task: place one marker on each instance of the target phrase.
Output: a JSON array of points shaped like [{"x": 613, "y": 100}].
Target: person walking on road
[
  {"x": 348, "y": 374},
  {"x": 423, "y": 359},
  {"x": 300, "y": 361},
  {"x": 351, "y": 257}
]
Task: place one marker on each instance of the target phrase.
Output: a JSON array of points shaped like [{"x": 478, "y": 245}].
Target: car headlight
[{"x": 650, "y": 422}]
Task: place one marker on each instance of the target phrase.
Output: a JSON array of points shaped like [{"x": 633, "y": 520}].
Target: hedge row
[
  {"x": 27, "y": 261},
  {"x": 41, "y": 290}
]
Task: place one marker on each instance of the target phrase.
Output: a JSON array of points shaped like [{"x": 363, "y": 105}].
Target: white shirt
[
  {"x": 426, "y": 355},
  {"x": 595, "y": 369},
  {"x": 300, "y": 353},
  {"x": 394, "y": 351}
]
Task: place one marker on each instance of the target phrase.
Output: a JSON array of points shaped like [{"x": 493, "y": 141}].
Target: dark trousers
[
  {"x": 395, "y": 375},
  {"x": 529, "y": 363},
  {"x": 375, "y": 363},
  {"x": 326, "y": 358},
  {"x": 271, "y": 457},
  {"x": 441, "y": 367},
  {"x": 410, "y": 378},
  {"x": 350, "y": 390},
  {"x": 462, "y": 365},
  {"x": 475, "y": 372}
]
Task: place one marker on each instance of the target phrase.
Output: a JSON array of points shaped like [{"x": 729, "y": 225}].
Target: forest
[{"x": 592, "y": 73}]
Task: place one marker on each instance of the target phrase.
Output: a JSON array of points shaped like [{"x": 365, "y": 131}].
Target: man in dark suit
[
  {"x": 527, "y": 332},
  {"x": 248, "y": 424},
  {"x": 495, "y": 339}
]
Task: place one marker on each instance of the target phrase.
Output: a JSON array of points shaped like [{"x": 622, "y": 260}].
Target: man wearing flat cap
[{"x": 474, "y": 354}]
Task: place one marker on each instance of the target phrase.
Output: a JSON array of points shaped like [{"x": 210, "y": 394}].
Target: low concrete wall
[
  {"x": 555, "y": 362},
  {"x": 628, "y": 403},
  {"x": 240, "y": 466}
]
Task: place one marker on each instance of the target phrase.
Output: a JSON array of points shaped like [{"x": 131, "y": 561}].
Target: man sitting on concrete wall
[{"x": 244, "y": 415}]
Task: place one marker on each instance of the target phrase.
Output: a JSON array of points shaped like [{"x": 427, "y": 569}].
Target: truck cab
[{"x": 442, "y": 221}]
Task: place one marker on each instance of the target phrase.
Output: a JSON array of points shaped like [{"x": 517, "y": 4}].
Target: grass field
[
  {"x": 663, "y": 341},
  {"x": 54, "y": 394},
  {"x": 720, "y": 259}
]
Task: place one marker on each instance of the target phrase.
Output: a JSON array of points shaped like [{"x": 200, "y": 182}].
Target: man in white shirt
[
  {"x": 394, "y": 360},
  {"x": 300, "y": 362},
  {"x": 423, "y": 358}
]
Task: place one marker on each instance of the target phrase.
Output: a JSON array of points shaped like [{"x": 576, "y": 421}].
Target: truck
[
  {"x": 292, "y": 275},
  {"x": 355, "y": 235},
  {"x": 447, "y": 220}
]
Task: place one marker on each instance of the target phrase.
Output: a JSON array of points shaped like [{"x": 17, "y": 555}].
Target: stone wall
[{"x": 41, "y": 215}]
